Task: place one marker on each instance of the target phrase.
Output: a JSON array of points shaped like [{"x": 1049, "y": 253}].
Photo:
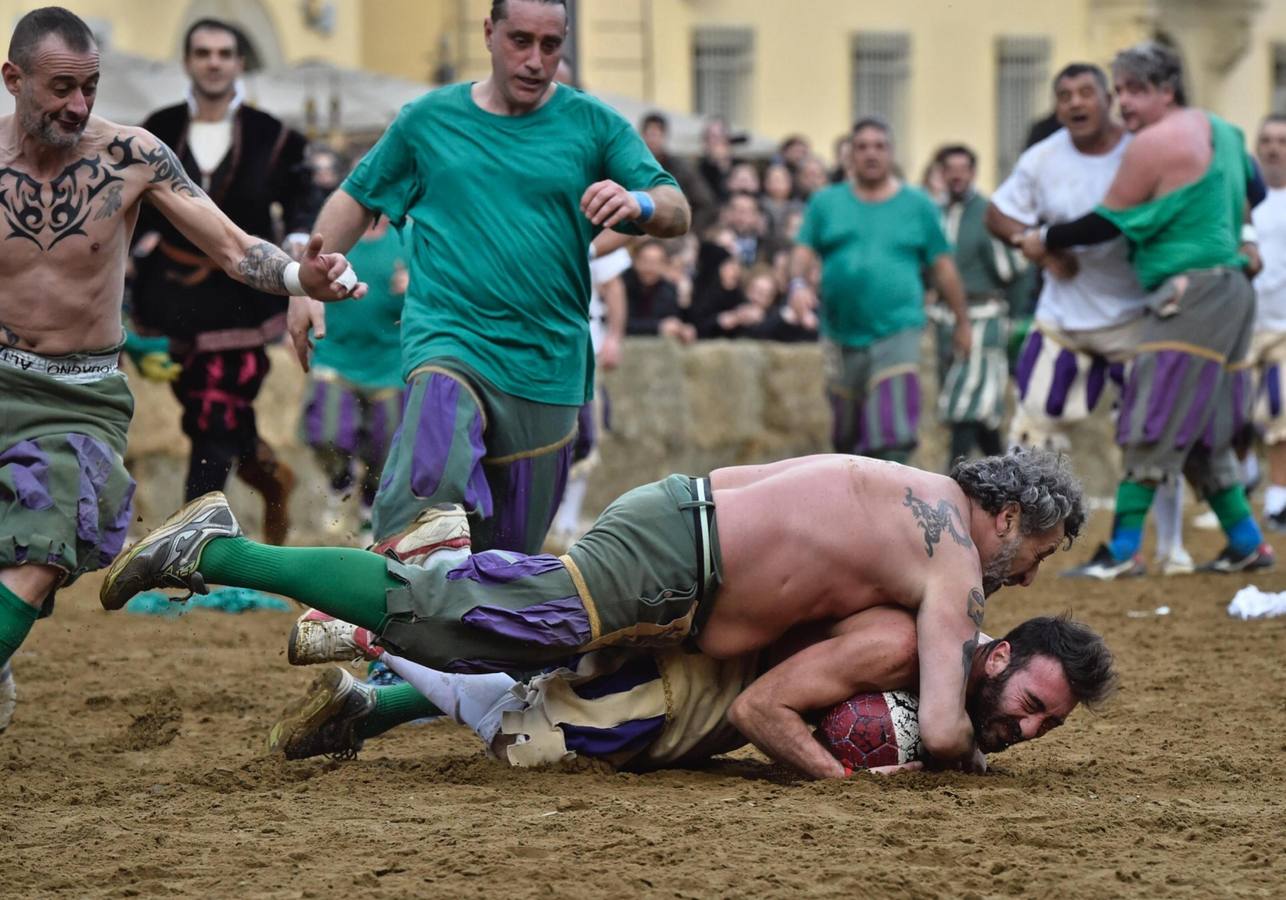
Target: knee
[{"x": 31, "y": 583}]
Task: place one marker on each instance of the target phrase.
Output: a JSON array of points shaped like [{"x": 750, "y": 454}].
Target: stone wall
[{"x": 674, "y": 409}]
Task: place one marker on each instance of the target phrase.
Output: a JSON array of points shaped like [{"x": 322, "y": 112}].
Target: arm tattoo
[
  {"x": 263, "y": 268},
  {"x": 966, "y": 656},
  {"x": 933, "y": 521},
  {"x": 976, "y": 607},
  {"x": 91, "y": 188}
]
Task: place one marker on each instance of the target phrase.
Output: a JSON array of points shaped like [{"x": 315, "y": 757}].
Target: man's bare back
[{"x": 869, "y": 528}]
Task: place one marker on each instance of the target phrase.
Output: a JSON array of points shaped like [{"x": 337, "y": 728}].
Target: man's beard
[
  {"x": 992, "y": 730},
  {"x": 47, "y": 132},
  {"x": 997, "y": 570}
]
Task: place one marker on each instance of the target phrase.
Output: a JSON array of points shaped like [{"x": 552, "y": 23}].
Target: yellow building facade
[{"x": 975, "y": 71}]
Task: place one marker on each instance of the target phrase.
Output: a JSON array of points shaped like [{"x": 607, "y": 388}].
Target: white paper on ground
[{"x": 1252, "y": 603}]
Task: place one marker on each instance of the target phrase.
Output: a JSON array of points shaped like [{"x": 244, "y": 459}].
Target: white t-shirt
[
  {"x": 1270, "y": 284},
  {"x": 209, "y": 142},
  {"x": 602, "y": 270},
  {"x": 1054, "y": 182}
]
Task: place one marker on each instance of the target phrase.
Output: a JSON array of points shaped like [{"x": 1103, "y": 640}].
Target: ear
[
  {"x": 12, "y": 77},
  {"x": 997, "y": 660},
  {"x": 488, "y": 29},
  {"x": 1007, "y": 520}
]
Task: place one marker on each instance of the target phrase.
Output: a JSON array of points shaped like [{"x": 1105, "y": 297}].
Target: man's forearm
[
  {"x": 785, "y": 737},
  {"x": 263, "y": 266},
  {"x": 803, "y": 264},
  {"x": 342, "y": 221},
  {"x": 672, "y": 216},
  {"x": 1002, "y": 226}
]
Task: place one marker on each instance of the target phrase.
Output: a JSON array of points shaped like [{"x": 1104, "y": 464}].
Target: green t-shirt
[
  {"x": 1197, "y": 226},
  {"x": 873, "y": 256},
  {"x": 498, "y": 273},
  {"x": 363, "y": 337}
]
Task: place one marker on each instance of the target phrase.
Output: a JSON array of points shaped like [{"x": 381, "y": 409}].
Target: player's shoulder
[{"x": 577, "y": 103}]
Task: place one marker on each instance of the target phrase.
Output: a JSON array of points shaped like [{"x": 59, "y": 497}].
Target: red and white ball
[{"x": 869, "y": 730}]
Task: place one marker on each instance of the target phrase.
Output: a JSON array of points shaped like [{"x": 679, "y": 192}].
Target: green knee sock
[
  {"x": 1233, "y": 510},
  {"x": 16, "y": 619},
  {"x": 395, "y": 704},
  {"x": 342, "y": 582},
  {"x": 1132, "y": 501}
]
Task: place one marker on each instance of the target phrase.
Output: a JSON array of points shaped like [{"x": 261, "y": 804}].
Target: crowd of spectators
[{"x": 728, "y": 277}]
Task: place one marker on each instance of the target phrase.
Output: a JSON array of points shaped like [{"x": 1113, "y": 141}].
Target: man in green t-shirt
[
  {"x": 1180, "y": 199},
  {"x": 871, "y": 240},
  {"x": 507, "y": 180}
]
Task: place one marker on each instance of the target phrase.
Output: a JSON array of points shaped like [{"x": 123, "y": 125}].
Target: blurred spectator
[
  {"x": 811, "y": 177},
  {"x": 743, "y": 179},
  {"x": 746, "y": 221},
  {"x": 716, "y": 293},
  {"x": 716, "y": 157},
  {"x": 932, "y": 180},
  {"x": 655, "y": 129},
  {"x": 843, "y": 159},
  {"x": 766, "y": 316},
  {"x": 792, "y": 153},
  {"x": 651, "y": 298},
  {"x": 779, "y": 201}
]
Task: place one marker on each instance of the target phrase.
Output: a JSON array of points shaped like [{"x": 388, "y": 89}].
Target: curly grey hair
[
  {"x": 1152, "y": 62},
  {"x": 1037, "y": 480}
]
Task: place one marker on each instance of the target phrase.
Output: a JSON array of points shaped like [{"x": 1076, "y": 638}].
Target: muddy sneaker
[
  {"x": 168, "y": 557},
  {"x": 8, "y": 696},
  {"x": 1177, "y": 562},
  {"x": 1105, "y": 567},
  {"x": 441, "y": 527},
  {"x": 1227, "y": 562},
  {"x": 325, "y": 720},
  {"x": 319, "y": 638}
]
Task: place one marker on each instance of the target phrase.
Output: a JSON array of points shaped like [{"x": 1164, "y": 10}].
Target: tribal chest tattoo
[
  {"x": 90, "y": 188},
  {"x": 934, "y": 521}
]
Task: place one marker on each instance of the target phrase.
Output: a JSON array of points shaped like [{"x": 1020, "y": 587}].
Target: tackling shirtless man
[
  {"x": 70, "y": 189},
  {"x": 797, "y": 544}
]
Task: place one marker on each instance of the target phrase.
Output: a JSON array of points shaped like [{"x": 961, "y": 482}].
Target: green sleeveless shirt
[{"x": 1197, "y": 226}]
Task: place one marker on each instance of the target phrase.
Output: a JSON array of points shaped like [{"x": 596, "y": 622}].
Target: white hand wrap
[
  {"x": 348, "y": 280},
  {"x": 291, "y": 278}
]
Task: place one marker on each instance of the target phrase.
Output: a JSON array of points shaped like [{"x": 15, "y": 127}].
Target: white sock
[
  {"x": 1249, "y": 470},
  {"x": 568, "y": 518},
  {"x": 1274, "y": 499},
  {"x": 1167, "y": 515},
  {"x": 475, "y": 701}
]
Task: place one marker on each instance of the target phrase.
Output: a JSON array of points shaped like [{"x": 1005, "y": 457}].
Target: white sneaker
[
  {"x": 1177, "y": 562},
  {"x": 1207, "y": 521},
  {"x": 8, "y": 696}
]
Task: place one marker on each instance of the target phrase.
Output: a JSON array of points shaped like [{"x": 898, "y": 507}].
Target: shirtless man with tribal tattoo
[{"x": 70, "y": 188}]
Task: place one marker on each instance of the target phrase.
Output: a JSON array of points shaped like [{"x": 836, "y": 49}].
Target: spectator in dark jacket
[{"x": 652, "y": 299}]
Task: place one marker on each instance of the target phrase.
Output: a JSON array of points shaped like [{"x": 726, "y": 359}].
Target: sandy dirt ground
[{"x": 135, "y": 767}]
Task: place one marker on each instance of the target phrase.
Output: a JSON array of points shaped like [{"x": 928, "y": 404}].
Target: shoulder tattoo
[{"x": 934, "y": 521}]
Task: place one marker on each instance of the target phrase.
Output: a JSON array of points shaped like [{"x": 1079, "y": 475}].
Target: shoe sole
[
  {"x": 325, "y": 697},
  {"x": 113, "y": 594}
]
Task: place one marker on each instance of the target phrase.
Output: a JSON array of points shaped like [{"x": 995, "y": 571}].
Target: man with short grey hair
[
  {"x": 728, "y": 564},
  {"x": 71, "y": 185}
]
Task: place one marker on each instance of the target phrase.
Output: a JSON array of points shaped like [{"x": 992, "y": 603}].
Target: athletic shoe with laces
[
  {"x": 8, "y": 696},
  {"x": 1177, "y": 562},
  {"x": 168, "y": 557},
  {"x": 1228, "y": 562},
  {"x": 325, "y": 721},
  {"x": 443, "y": 526},
  {"x": 319, "y": 638},
  {"x": 1105, "y": 567}
]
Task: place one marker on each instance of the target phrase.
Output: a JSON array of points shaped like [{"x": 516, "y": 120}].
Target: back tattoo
[
  {"x": 934, "y": 521},
  {"x": 47, "y": 213}
]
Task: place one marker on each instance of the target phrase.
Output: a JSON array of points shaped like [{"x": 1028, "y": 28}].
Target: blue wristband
[{"x": 647, "y": 206}]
